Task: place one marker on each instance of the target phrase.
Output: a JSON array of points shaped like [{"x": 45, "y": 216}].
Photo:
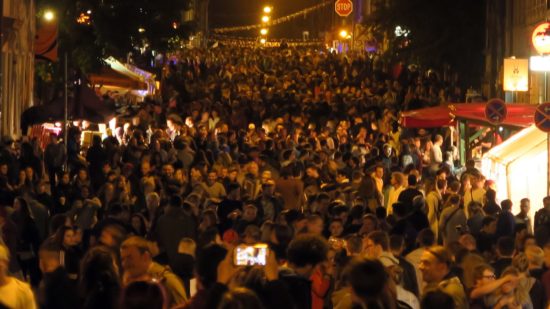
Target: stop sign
[{"x": 343, "y": 7}]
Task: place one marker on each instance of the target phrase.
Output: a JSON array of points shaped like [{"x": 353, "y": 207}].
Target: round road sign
[
  {"x": 542, "y": 117},
  {"x": 495, "y": 111}
]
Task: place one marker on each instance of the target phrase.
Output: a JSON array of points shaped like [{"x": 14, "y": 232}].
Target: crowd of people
[{"x": 300, "y": 150}]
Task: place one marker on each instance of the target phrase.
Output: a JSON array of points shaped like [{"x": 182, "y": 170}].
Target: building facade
[
  {"x": 16, "y": 63},
  {"x": 509, "y": 26}
]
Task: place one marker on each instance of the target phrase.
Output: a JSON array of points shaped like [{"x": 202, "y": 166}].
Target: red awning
[{"x": 519, "y": 115}]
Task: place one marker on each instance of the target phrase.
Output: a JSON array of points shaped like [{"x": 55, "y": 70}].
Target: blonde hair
[{"x": 535, "y": 255}]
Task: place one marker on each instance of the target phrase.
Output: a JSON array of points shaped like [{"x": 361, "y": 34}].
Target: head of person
[
  {"x": 49, "y": 256},
  {"x": 505, "y": 246},
  {"x": 535, "y": 256},
  {"x": 546, "y": 202},
  {"x": 336, "y": 228},
  {"x": 435, "y": 264},
  {"x": 525, "y": 206},
  {"x": 315, "y": 224},
  {"x": 436, "y": 300},
  {"x": 206, "y": 270},
  {"x": 142, "y": 294},
  {"x": 506, "y": 205},
  {"x": 489, "y": 225},
  {"x": 426, "y": 238},
  {"x": 483, "y": 274},
  {"x": 136, "y": 257},
  {"x": 376, "y": 243},
  {"x": 369, "y": 282},
  {"x": 99, "y": 274},
  {"x": 65, "y": 237},
  {"x": 305, "y": 252},
  {"x": 240, "y": 297},
  {"x": 412, "y": 180}
]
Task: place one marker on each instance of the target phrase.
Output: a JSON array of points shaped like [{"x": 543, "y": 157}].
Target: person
[
  {"x": 56, "y": 289},
  {"x": 54, "y": 158},
  {"x": 434, "y": 203},
  {"x": 523, "y": 216},
  {"x": 542, "y": 216},
  {"x": 99, "y": 284},
  {"x": 485, "y": 283},
  {"x": 138, "y": 265},
  {"x": 505, "y": 250},
  {"x": 14, "y": 294},
  {"x": 240, "y": 298},
  {"x": 370, "y": 284},
  {"x": 176, "y": 223},
  {"x": 452, "y": 221},
  {"x": 397, "y": 186},
  {"x": 486, "y": 238},
  {"x": 436, "y": 300},
  {"x": 407, "y": 272},
  {"x": 435, "y": 266},
  {"x": 305, "y": 252},
  {"x": 436, "y": 155},
  {"x": 142, "y": 294},
  {"x": 407, "y": 196},
  {"x": 425, "y": 239},
  {"x": 505, "y": 220}
]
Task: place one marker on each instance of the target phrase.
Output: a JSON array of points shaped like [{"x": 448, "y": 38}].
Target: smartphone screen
[{"x": 250, "y": 255}]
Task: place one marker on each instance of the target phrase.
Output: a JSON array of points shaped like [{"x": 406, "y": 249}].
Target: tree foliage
[
  {"x": 114, "y": 27},
  {"x": 442, "y": 32}
]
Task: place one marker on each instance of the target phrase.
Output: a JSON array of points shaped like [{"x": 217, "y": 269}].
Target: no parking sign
[{"x": 495, "y": 111}]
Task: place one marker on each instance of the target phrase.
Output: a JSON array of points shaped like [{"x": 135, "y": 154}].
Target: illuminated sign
[{"x": 516, "y": 74}]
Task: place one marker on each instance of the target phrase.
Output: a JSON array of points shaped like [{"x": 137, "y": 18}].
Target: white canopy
[{"x": 519, "y": 168}]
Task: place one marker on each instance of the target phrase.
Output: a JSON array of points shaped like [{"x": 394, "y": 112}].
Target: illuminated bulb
[
  {"x": 265, "y": 19},
  {"x": 49, "y": 16},
  {"x": 141, "y": 30},
  {"x": 263, "y": 41},
  {"x": 263, "y": 31},
  {"x": 267, "y": 9},
  {"x": 343, "y": 34}
]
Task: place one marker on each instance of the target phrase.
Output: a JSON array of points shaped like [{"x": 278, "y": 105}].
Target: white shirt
[{"x": 17, "y": 295}]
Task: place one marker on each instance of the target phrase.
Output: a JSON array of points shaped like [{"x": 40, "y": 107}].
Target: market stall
[{"x": 518, "y": 166}]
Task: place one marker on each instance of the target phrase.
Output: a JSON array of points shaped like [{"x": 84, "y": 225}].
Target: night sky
[{"x": 224, "y": 13}]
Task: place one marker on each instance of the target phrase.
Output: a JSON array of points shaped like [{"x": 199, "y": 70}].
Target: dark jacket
[{"x": 58, "y": 292}]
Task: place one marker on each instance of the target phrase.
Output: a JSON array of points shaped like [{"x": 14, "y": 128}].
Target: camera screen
[{"x": 251, "y": 255}]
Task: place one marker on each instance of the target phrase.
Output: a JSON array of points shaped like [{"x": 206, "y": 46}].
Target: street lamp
[
  {"x": 265, "y": 18},
  {"x": 263, "y": 41},
  {"x": 49, "y": 15},
  {"x": 343, "y": 34},
  {"x": 263, "y": 31},
  {"x": 268, "y": 9}
]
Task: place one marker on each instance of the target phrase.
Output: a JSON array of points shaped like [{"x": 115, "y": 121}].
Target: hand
[
  {"x": 226, "y": 269},
  {"x": 271, "y": 267}
]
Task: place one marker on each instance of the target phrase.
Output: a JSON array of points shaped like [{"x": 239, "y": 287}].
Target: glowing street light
[
  {"x": 49, "y": 15},
  {"x": 263, "y": 41},
  {"x": 265, "y": 18},
  {"x": 343, "y": 34},
  {"x": 141, "y": 30},
  {"x": 263, "y": 31},
  {"x": 268, "y": 9}
]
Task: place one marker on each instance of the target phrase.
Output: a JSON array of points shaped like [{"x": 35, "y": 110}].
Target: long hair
[{"x": 99, "y": 285}]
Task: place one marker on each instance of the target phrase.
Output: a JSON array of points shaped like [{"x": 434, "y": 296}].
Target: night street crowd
[{"x": 299, "y": 149}]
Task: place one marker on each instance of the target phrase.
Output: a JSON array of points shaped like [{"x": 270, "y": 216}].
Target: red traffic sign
[
  {"x": 495, "y": 111},
  {"x": 542, "y": 117},
  {"x": 343, "y": 7}
]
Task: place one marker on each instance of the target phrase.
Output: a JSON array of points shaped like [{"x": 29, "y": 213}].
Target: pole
[
  {"x": 2, "y": 53},
  {"x": 66, "y": 112},
  {"x": 545, "y": 86},
  {"x": 548, "y": 165}
]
